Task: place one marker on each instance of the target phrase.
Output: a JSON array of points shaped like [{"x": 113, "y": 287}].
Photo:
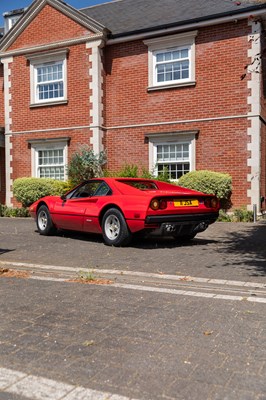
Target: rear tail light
[
  {"x": 211, "y": 202},
  {"x": 214, "y": 202},
  {"x": 163, "y": 204},
  {"x": 157, "y": 204}
]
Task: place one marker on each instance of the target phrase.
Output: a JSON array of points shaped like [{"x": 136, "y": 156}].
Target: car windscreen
[{"x": 89, "y": 189}]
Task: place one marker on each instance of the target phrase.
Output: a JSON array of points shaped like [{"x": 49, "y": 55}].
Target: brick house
[{"x": 151, "y": 85}]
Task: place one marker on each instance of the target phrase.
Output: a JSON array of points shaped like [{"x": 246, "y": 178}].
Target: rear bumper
[
  {"x": 180, "y": 225},
  {"x": 183, "y": 219}
]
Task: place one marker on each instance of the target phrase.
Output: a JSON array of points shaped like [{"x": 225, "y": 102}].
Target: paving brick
[{"x": 135, "y": 343}]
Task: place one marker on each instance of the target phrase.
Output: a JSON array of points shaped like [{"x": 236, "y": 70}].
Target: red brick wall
[
  {"x": 221, "y": 55},
  {"x": 263, "y": 129},
  {"x": 220, "y": 61},
  {"x": 263, "y": 165},
  {"x": 49, "y": 26},
  {"x": 2, "y": 150},
  {"x": 2, "y": 112},
  {"x": 75, "y": 113},
  {"x": 2, "y": 176},
  {"x": 21, "y": 151},
  {"x": 214, "y": 150}
]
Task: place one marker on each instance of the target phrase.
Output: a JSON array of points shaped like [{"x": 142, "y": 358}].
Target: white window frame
[
  {"x": 168, "y": 139},
  {"x": 10, "y": 21},
  {"x": 43, "y": 60},
  {"x": 171, "y": 43},
  {"x": 47, "y": 145}
]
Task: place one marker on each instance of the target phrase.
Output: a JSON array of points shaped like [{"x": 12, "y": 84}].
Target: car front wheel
[
  {"x": 114, "y": 228},
  {"x": 45, "y": 224}
]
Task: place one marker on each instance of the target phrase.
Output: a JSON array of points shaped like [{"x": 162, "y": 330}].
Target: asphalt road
[
  {"x": 176, "y": 322},
  {"x": 224, "y": 251}
]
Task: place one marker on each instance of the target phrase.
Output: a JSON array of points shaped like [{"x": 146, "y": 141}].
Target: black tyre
[
  {"x": 45, "y": 224},
  {"x": 115, "y": 229}
]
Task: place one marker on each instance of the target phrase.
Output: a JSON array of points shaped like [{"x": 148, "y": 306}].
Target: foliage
[
  {"x": 134, "y": 171},
  {"x": 224, "y": 217},
  {"x": 28, "y": 190},
  {"x": 85, "y": 165},
  {"x": 211, "y": 183},
  {"x": 87, "y": 275},
  {"x": 129, "y": 171},
  {"x": 164, "y": 175},
  {"x": 243, "y": 215},
  {"x": 13, "y": 212},
  {"x": 238, "y": 215}
]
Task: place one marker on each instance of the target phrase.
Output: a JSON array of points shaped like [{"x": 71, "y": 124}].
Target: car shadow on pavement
[
  {"x": 139, "y": 241},
  {"x": 167, "y": 243},
  {"x": 3, "y": 251},
  {"x": 247, "y": 249}
]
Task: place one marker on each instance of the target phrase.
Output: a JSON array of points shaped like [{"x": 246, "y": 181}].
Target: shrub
[
  {"x": 85, "y": 165},
  {"x": 133, "y": 171},
  {"x": 13, "y": 212},
  {"x": 211, "y": 183},
  {"x": 129, "y": 171},
  {"x": 224, "y": 217},
  {"x": 238, "y": 215},
  {"x": 242, "y": 215},
  {"x": 28, "y": 190}
]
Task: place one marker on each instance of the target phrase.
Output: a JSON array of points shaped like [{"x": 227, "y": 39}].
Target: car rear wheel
[
  {"x": 45, "y": 224},
  {"x": 115, "y": 229}
]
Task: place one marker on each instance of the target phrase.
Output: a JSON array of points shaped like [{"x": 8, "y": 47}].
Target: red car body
[{"x": 119, "y": 207}]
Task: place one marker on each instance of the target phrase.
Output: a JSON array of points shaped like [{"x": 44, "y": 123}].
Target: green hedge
[
  {"x": 28, "y": 190},
  {"x": 13, "y": 212},
  {"x": 211, "y": 183}
]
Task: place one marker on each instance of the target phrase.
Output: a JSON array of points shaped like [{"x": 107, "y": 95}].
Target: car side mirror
[{"x": 63, "y": 197}]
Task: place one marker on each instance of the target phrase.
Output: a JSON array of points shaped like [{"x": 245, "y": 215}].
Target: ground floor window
[
  {"x": 49, "y": 159},
  {"x": 172, "y": 153},
  {"x": 51, "y": 164},
  {"x": 175, "y": 158}
]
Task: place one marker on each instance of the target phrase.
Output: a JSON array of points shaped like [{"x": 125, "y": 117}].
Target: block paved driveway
[{"x": 177, "y": 321}]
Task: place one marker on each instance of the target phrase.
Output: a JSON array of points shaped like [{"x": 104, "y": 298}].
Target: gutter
[{"x": 254, "y": 11}]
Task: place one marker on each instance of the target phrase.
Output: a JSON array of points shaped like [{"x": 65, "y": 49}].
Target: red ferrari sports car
[{"x": 119, "y": 207}]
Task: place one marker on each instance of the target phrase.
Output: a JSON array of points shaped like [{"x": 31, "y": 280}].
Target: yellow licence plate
[{"x": 186, "y": 203}]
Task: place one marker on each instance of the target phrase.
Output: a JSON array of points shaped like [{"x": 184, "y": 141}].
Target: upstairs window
[
  {"x": 173, "y": 65},
  {"x": 48, "y": 76},
  {"x": 49, "y": 81},
  {"x": 171, "y": 60}
]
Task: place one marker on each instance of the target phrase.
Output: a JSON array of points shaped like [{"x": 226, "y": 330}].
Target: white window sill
[
  {"x": 49, "y": 103},
  {"x": 170, "y": 86}
]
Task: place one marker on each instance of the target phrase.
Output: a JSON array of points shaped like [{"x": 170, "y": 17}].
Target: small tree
[{"x": 85, "y": 165}]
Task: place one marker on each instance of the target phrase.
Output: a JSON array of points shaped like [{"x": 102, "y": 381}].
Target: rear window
[{"x": 141, "y": 185}]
